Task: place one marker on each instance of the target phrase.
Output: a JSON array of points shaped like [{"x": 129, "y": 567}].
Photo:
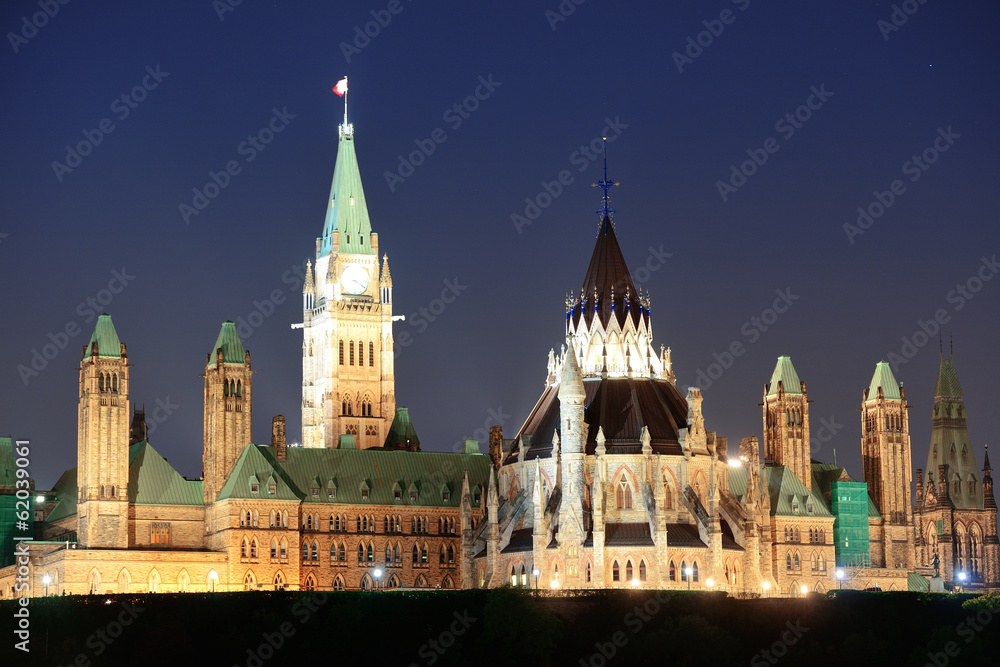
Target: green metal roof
[
  {"x": 153, "y": 481},
  {"x": 826, "y": 473},
  {"x": 258, "y": 461},
  {"x": 785, "y": 372},
  {"x": 785, "y": 487},
  {"x": 916, "y": 583},
  {"x": 401, "y": 433},
  {"x": 231, "y": 345},
  {"x": 346, "y": 210},
  {"x": 106, "y": 337},
  {"x": 66, "y": 493},
  {"x": 7, "y": 466},
  {"x": 947, "y": 382},
  {"x": 884, "y": 378}
]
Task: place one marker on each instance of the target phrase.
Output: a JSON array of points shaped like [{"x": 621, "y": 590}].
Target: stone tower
[
  {"x": 786, "y": 421},
  {"x": 347, "y": 347},
  {"x": 228, "y": 401},
  {"x": 102, "y": 441},
  {"x": 885, "y": 454},
  {"x": 571, "y": 447}
]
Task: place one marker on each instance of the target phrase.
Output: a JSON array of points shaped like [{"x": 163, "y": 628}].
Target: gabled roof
[
  {"x": 884, "y": 378},
  {"x": 66, "y": 493},
  {"x": 785, "y": 488},
  {"x": 259, "y": 461},
  {"x": 346, "y": 210},
  {"x": 629, "y": 535},
  {"x": 153, "y": 481},
  {"x": 106, "y": 337},
  {"x": 230, "y": 344},
  {"x": 784, "y": 372}
]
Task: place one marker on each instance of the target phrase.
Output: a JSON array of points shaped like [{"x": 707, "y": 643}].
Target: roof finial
[{"x": 605, "y": 211}]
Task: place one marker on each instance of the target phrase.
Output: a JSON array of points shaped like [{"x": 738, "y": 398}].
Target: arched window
[
  {"x": 95, "y": 582},
  {"x": 668, "y": 497},
  {"x": 279, "y": 581},
  {"x": 351, "y": 348},
  {"x": 315, "y": 551},
  {"x": 673, "y": 571},
  {"x": 338, "y": 583},
  {"x": 423, "y": 553},
  {"x": 788, "y": 561},
  {"x": 798, "y": 537},
  {"x": 284, "y": 549},
  {"x": 623, "y": 495},
  {"x": 441, "y": 556},
  {"x": 305, "y": 551},
  {"x": 274, "y": 548},
  {"x": 371, "y": 354},
  {"x": 642, "y": 570},
  {"x": 361, "y": 353},
  {"x": 524, "y": 578},
  {"x": 588, "y": 572},
  {"x": 361, "y": 553},
  {"x": 341, "y": 353},
  {"x": 388, "y": 554},
  {"x": 684, "y": 571},
  {"x": 694, "y": 572},
  {"x": 814, "y": 562},
  {"x": 183, "y": 581},
  {"x": 416, "y": 555},
  {"x": 513, "y": 576},
  {"x": 397, "y": 554},
  {"x": 154, "y": 582},
  {"x": 822, "y": 563},
  {"x": 615, "y": 574},
  {"x": 284, "y": 519},
  {"x": 272, "y": 519},
  {"x": 244, "y": 548},
  {"x": 795, "y": 559},
  {"x": 310, "y": 583},
  {"x": 253, "y": 548},
  {"x": 451, "y": 555},
  {"x": 124, "y": 581}
]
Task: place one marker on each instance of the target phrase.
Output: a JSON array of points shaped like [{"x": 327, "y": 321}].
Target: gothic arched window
[
  {"x": 371, "y": 354},
  {"x": 341, "y": 353}
]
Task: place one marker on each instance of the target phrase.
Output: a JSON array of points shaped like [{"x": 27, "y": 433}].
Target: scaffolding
[{"x": 849, "y": 505}]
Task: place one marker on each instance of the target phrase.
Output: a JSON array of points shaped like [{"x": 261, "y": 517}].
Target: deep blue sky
[{"x": 451, "y": 220}]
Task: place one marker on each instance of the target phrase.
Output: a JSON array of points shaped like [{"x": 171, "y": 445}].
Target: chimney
[{"x": 278, "y": 436}]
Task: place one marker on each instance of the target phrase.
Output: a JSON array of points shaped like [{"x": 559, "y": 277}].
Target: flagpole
[{"x": 345, "y": 110}]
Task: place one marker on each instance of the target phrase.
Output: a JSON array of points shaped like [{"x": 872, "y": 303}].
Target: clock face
[{"x": 354, "y": 280}]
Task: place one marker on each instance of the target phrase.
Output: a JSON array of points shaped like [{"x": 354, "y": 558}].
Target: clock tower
[{"x": 347, "y": 352}]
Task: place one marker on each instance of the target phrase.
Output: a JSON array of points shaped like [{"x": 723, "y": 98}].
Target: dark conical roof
[
  {"x": 609, "y": 274},
  {"x": 401, "y": 434},
  {"x": 947, "y": 382}
]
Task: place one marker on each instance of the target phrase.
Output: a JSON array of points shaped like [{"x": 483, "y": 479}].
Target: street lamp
[
  {"x": 554, "y": 584},
  {"x": 378, "y": 575},
  {"x": 46, "y": 580},
  {"x": 766, "y": 586},
  {"x": 962, "y": 576},
  {"x": 635, "y": 582},
  {"x": 709, "y": 582},
  {"x": 804, "y": 589},
  {"x": 840, "y": 577},
  {"x": 213, "y": 577},
  {"x": 536, "y": 573},
  {"x": 689, "y": 572}
]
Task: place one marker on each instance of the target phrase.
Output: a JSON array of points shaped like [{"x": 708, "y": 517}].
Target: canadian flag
[{"x": 341, "y": 87}]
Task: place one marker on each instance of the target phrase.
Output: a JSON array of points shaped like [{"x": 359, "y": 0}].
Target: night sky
[{"x": 687, "y": 92}]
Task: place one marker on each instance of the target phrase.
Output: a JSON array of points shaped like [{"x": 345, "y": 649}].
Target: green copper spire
[
  {"x": 884, "y": 378},
  {"x": 106, "y": 338},
  {"x": 785, "y": 372},
  {"x": 951, "y": 445},
  {"x": 230, "y": 343},
  {"x": 346, "y": 210}
]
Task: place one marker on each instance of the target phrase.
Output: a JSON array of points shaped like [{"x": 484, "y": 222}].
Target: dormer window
[
  {"x": 364, "y": 491},
  {"x": 809, "y": 507},
  {"x": 445, "y": 494},
  {"x": 254, "y": 488},
  {"x": 315, "y": 491},
  {"x": 331, "y": 491},
  {"x": 795, "y": 505},
  {"x": 397, "y": 494},
  {"x": 272, "y": 486}
]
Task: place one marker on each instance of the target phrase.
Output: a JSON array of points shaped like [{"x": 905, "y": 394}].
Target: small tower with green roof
[
  {"x": 786, "y": 421},
  {"x": 102, "y": 441},
  {"x": 885, "y": 459},
  {"x": 228, "y": 402}
]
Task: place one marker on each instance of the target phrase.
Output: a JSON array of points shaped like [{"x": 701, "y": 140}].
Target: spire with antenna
[{"x": 606, "y": 211}]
